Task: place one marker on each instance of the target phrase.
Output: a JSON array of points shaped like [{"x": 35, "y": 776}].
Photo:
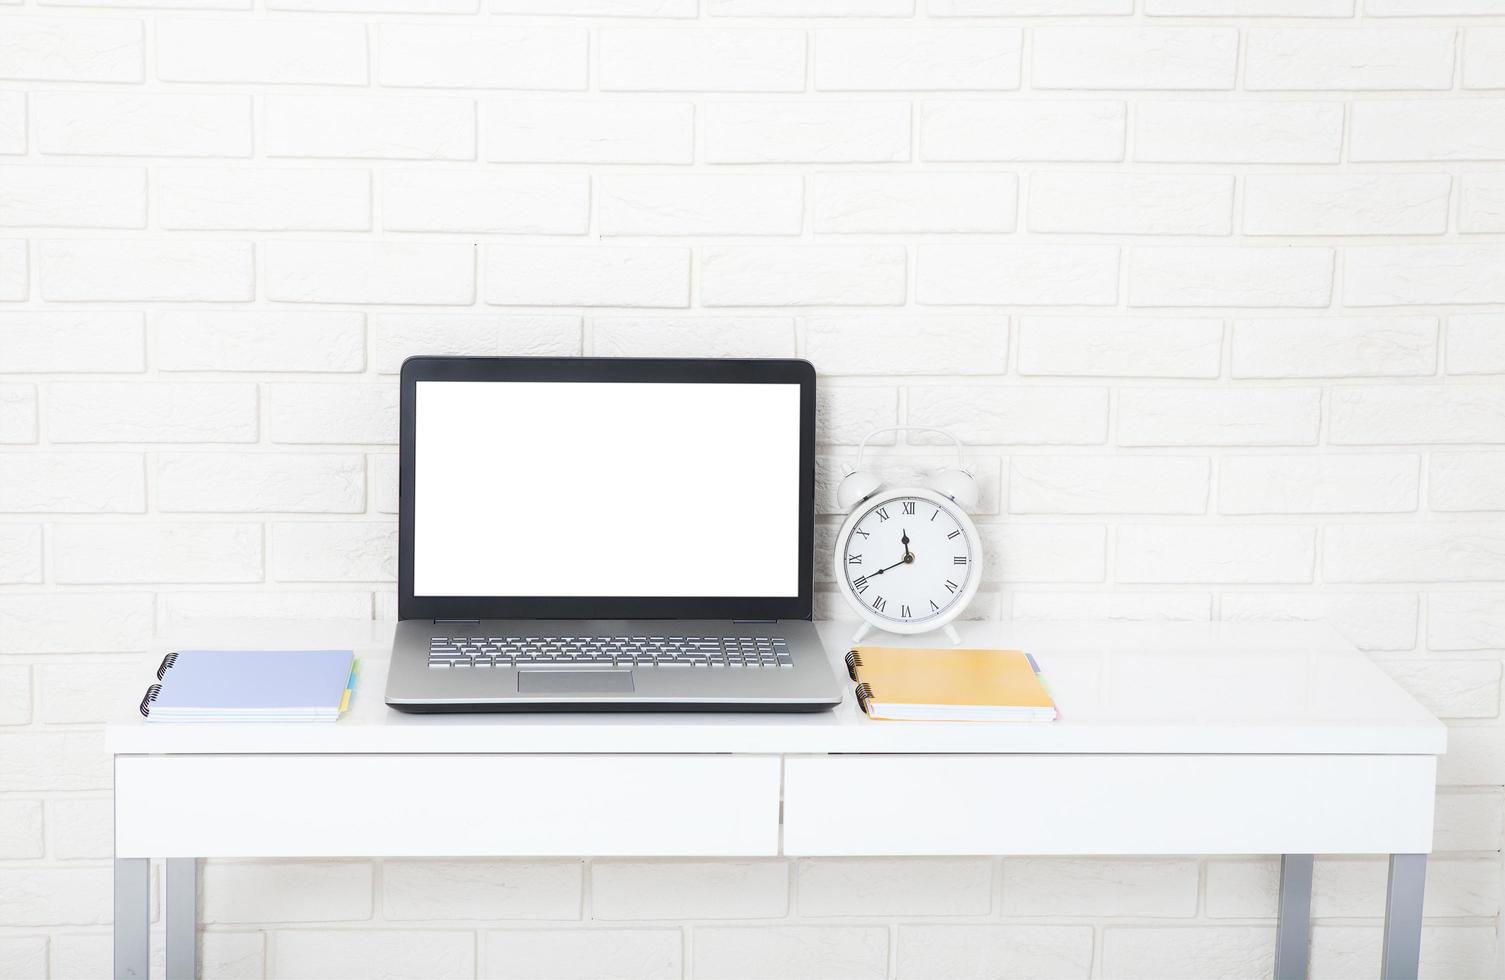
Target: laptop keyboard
[{"x": 610, "y": 651}]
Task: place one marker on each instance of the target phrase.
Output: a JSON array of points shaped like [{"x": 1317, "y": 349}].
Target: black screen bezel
[{"x": 605, "y": 369}]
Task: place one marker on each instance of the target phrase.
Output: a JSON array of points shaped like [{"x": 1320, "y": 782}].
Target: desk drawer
[
  {"x": 1108, "y": 804},
  {"x": 461, "y": 805}
]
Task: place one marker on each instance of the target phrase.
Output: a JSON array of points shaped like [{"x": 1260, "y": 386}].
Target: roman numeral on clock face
[
  {"x": 934, "y": 607},
  {"x": 859, "y": 584},
  {"x": 904, "y": 612},
  {"x": 882, "y": 513},
  {"x": 854, "y": 559},
  {"x": 959, "y": 560},
  {"x": 950, "y": 585},
  {"x": 909, "y": 507},
  {"x": 953, "y": 534},
  {"x": 879, "y": 603}
]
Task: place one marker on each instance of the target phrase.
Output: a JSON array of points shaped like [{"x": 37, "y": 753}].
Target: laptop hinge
[{"x": 438, "y": 621}]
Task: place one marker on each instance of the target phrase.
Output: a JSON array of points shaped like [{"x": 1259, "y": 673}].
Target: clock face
[{"x": 907, "y": 559}]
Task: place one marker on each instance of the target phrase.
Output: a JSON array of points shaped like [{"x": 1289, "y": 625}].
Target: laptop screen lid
[{"x": 606, "y": 488}]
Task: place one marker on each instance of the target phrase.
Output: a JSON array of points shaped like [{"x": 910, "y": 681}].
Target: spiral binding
[
  {"x": 151, "y": 695},
  {"x": 167, "y": 662},
  {"x": 854, "y": 660},
  {"x": 864, "y": 695}
]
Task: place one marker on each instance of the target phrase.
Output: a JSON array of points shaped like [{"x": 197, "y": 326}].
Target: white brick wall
[{"x": 1213, "y": 289}]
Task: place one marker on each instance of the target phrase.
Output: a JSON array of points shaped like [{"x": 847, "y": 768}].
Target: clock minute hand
[{"x": 896, "y": 564}]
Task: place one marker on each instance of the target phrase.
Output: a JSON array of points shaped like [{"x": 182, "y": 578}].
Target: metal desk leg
[
  {"x": 1293, "y": 926},
  {"x": 1403, "y": 895},
  {"x": 182, "y": 918},
  {"x": 133, "y": 895}
]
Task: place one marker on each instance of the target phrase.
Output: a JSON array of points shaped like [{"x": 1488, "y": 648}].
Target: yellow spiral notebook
[{"x": 949, "y": 685}]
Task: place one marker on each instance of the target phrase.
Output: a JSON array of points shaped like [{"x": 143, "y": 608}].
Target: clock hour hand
[{"x": 904, "y": 537}]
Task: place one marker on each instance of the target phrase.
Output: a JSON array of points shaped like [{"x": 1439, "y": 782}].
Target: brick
[
  {"x": 1043, "y": 553},
  {"x": 332, "y": 413},
  {"x": 15, "y": 709},
  {"x": 1466, "y": 481},
  {"x": 1450, "y": 689},
  {"x": 894, "y": 886},
  {"x": 379, "y": 6},
  {"x": 589, "y": 132},
  {"x": 805, "y": 8},
  {"x": 384, "y": 477},
  {"x": 1483, "y": 57},
  {"x": 55, "y": 897},
  {"x": 1131, "y": 204},
  {"x": 357, "y": 955},
  {"x": 23, "y": 957},
  {"x": 173, "y": 271},
  {"x": 1465, "y": 621},
  {"x": 1238, "y": 132},
  {"x": 740, "y": 204},
  {"x": 187, "y": 607},
  {"x": 1329, "y": 484},
  {"x": 1133, "y": 58},
  {"x": 1161, "y": 347},
  {"x": 1475, "y": 757},
  {"x": 1455, "y": 887},
  {"x": 908, "y": 471},
  {"x": 1428, "y": 129},
  {"x": 980, "y": 952},
  {"x": 896, "y": 343},
  {"x": 496, "y": 202},
  {"x": 144, "y": 124},
  {"x": 82, "y": 693},
  {"x": 91, "y": 954},
  {"x": 72, "y": 50},
  {"x": 1315, "y": 347},
  {"x": 1012, "y": 415},
  {"x": 73, "y": 197},
  {"x": 845, "y": 414},
  {"x": 264, "y": 200},
  {"x": 316, "y": 551},
  {"x": 586, "y": 8},
  {"x": 20, "y": 829},
  {"x": 233, "y": 955},
  {"x": 286, "y": 891},
  {"x": 1446, "y": 951},
  {"x": 1218, "y": 416},
  {"x": 674, "y": 890},
  {"x": 382, "y": 127},
  {"x": 142, "y": 411},
  {"x": 582, "y": 954},
  {"x": 429, "y": 890},
  {"x": 82, "y": 828},
  {"x": 586, "y": 275},
  {"x": 482, "y": 56},
  {"x": 261, "y": 51},
  {"x": 1250, "y": 8},
  {"x": 75, "y": 622},
  {"x": 1401, "y": 275},
  {"x": 61, "y": 761},
  {"x": 692, "y": 337},
  {"x": 976, "y": 130},
  {"x": 160, "y": 552},
  {"x": 18, "y": 413},
  {"x": 1215, "y": 553},
  {"x": 1106, "y": 485},
  {"x": 15, "y": 271},
  {"x": 369, "y": 272},
  {"x": 72, "y": 483},
  {"x": 20, "y": 553},
  {"x": 264, "y": 340},
  {"x": 396, "y": 336},
  {"x": 792, "y": 952},
  {"x": 1176, "y": 953},
  {"x": 1476, "y": 344},
  {"x": 1071, "y": 887},
  {"x": 73, "y": 342},
  {"x": 1024, "y": 275},
  {"x": 1481, "y": 204},
  {"x": 807, "y": 275},
  {"x": 882, "y": 59},
  {"x": 260, "y": 482},
  {"x": 1409, "y": 414},
  {"x": 12, "y": 122},
  {"x": 1346, "y": 204},
  {"x": 701, "y": 59},
  {"x": 849, "y": 203},
  {"x": 1431, "y": 8},
  {"x": 1197, "y": 276},
  {"x": 1114, "y": 606},
  {"x": 1027, "y": 8},
  {"x": 806, "y": 132},
  {"x": 1469, "y": 821},
  {"x": 1370, "y": 621},
  {"x": 1302, "y": 58},
  {"x": 1413, "y": 552}
]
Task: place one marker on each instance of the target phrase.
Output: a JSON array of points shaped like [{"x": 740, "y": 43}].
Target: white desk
[{"x": 1174, "y": 739}]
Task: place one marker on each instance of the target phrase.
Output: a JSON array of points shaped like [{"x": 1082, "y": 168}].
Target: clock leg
[
  {"x": 952, "y": 635},
  {"x": 862, "y": 632}
]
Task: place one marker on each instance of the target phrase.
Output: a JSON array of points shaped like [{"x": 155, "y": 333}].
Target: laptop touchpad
[{"x": 574, "y": 681}]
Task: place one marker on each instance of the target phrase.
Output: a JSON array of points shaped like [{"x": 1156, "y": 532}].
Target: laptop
[{"x": 615, "y": 534}]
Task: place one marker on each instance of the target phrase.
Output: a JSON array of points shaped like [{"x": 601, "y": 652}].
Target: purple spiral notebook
[{"x": 250, "y": 685}]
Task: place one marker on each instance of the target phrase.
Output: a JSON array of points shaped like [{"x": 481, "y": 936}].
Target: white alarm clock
[{"x": 908, "y": 559}]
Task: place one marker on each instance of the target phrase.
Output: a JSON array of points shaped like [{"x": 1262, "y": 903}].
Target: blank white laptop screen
[{"x": 606, "y": 489}]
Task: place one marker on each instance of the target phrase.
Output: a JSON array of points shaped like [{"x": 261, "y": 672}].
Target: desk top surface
[{"x": 1240, "y": 688}]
